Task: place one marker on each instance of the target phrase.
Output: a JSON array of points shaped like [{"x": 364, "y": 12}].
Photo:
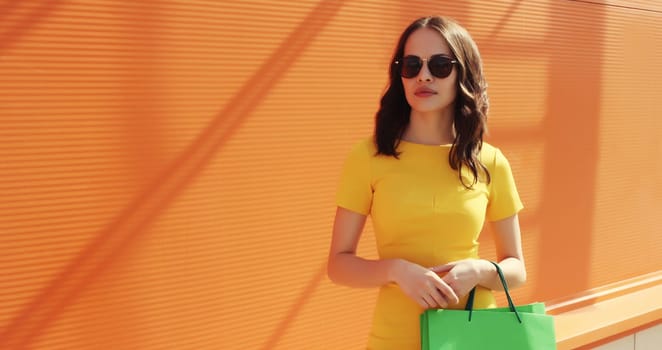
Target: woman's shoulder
[
  {"x": 365, "y": 147},
  {"x": 490, "y": 155},
  {"x": 488, "y": 149}
]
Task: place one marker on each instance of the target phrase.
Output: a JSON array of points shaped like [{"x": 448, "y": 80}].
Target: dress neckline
[{"x": 424, "y": 145}]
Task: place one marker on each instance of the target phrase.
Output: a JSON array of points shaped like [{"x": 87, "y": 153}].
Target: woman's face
[{"x": 425, "y": 92}]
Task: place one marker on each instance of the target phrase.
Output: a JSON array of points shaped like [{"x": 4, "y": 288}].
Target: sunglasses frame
[{"x": 422, "y": 61}]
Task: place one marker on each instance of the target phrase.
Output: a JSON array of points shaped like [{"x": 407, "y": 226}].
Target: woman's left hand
[{"x": 463, "y": 275}]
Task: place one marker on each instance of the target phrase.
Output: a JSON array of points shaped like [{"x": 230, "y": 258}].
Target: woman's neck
[{"x": 430, "y": 128}]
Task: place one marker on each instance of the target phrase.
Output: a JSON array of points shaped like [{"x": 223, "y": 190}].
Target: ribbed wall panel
[{"x": 168, "y": 169}]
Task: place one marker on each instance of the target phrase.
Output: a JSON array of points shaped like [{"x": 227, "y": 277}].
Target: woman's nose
[{"x": 424, "y": 74}]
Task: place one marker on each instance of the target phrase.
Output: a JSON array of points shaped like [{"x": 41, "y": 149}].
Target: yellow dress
[{"x": 422, "y": 213}]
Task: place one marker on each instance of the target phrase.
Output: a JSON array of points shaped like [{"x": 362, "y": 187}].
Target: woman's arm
[
  {"x": 508, "y": 242},
  {"x": 344, "y": 267},
  {"x": 463, "y": 275}
]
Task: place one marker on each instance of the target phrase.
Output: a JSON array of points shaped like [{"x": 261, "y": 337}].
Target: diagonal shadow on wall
[
  {"x": 25, "y": 23},
  {"x": 131, "y": 223}
]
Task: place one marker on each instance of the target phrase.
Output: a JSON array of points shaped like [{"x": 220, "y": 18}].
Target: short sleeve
[
  {"x": 504, "y": 200},
  {"x": 355, "y": 187}
]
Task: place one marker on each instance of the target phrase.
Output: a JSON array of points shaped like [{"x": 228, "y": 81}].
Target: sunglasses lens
[
  {"x": 440, "y": 66},
  {"x": 411, "y": 66}
]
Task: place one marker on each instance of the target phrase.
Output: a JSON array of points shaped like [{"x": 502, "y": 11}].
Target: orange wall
[{"x": 168, "y": 168}]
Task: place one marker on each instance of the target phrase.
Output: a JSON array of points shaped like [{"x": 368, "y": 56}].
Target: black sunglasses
[{"x": 440, "y": 66}]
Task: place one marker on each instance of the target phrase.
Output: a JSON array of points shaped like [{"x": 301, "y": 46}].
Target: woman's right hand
[{"x": 423, "y": 285}]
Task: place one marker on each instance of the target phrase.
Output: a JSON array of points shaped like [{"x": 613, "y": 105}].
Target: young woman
[{"x": 429, "y": 182}]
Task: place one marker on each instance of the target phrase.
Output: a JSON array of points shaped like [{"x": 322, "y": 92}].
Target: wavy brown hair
[{"x": 471, "y": 102}]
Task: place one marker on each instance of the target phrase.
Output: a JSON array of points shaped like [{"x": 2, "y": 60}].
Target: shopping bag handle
[{"x": 470, "y": 301}]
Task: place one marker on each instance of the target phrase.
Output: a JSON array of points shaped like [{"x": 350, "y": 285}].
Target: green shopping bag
[{"x": 524, "y": 327}]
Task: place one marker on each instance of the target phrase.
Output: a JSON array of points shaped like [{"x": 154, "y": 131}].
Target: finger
[
  {"x": 422, "y": 303},
  {"x": 439, "y": 299},
  {"x": 447, "y": 292},
  {"x": 429, "y": 301},
  {"x": 443, "y": 268}
]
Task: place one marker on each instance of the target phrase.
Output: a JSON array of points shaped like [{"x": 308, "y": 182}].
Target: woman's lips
[{"x": 424, "y": 92}]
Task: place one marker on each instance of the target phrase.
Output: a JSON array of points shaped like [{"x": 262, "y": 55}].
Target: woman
[{"x": 429, "y": 182}]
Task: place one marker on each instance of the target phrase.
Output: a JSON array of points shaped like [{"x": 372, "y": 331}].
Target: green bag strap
[{"x": 470, "y": 301}]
